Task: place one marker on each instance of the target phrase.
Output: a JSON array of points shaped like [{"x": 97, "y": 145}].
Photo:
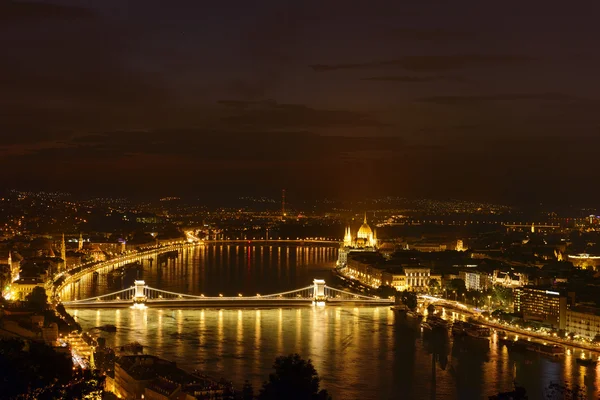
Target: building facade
[
  {"x": 364, "y": 271},
  {"x": 417, "y": 278},
  {"x": 395, "y": 279},
  {"x": 548, "y": 307},
  {"x": 479, "y": 281},
  {"x": 509, "y": 279},
  {"x": 583, "y": 321}
]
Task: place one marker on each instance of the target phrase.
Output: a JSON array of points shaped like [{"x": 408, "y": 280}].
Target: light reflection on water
[
  {"x": 357, "y": 351},
  {"x": 360, "y": 353}
]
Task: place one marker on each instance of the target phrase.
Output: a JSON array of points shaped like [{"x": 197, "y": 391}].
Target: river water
[{"x": 359, "y": 352}]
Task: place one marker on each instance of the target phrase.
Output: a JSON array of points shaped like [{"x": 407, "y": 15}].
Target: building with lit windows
[
  {"x": 367, "y": 268},
  {"x": 479, "y": 281},
  {"x": 394, "y": 278},
  {"x": 367, "y": 272},
  {"x": 427, "y": 247},
  {"x": 546, "y": 306},
  {"x": 417, "y": 278},
  {"x": 583, "y": 321}
]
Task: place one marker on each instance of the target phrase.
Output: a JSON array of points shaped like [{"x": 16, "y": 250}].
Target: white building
[
  {"x": 583, "y": 321},
  {"x": 475, "y": 280}
]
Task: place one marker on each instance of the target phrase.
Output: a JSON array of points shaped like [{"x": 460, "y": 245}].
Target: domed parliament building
[{"x": 365, "y": 240}]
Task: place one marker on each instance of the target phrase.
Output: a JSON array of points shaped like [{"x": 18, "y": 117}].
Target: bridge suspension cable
[{"x": 141, "y": 293}]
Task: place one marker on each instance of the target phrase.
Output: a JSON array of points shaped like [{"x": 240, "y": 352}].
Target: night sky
[{"x": 480, "y": 100}]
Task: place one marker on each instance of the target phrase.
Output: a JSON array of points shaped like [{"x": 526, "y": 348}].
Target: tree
[
  {"x": 457, "y": 285},
  {"x": 37, "y": 299},
  {"x": 27, "y": 366},
  {"x": 247, "y": 391},
  {"x": 430, "y": 309},
  {"x": 502, "y": 294},
  {"x": 409, "y": 299},
  {"x": 434, "y": 285},
  {"x": 386, "y": 291},
  {"x": 293, "y": 379}
]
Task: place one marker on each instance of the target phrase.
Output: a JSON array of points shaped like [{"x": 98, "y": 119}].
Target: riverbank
[
  {"x": 491, "y": 323},
  {"x": 486, "y": 321},
  {"x": 65, "y": 278}
]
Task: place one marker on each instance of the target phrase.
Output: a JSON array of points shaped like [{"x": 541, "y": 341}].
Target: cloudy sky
[{"x": 469, "y": 99}]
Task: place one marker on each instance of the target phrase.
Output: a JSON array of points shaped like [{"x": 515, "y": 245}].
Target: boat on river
[
  {"x": 586, "y": 362},
  {"x": 506, "y": 341},
  {"x": 437, "y": 322},
  {"x": 478, "y": 331},
  {"x": 426, "y": 326},
  {"x": 547, "y": 349},
  {"x": 542, "y": 348},
  {"x": 401, "y": 308},
  {"x": 414, "y": 314},
  {"x": 459, "y": 328}
]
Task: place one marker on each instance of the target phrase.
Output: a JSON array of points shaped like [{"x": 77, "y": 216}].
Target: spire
[
  {"x": 365, "y": 217},
  {"x": 347, "y": 237},
  {"x": 63, "y": 252}
]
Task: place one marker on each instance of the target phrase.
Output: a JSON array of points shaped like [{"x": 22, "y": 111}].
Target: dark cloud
[
  {"x": 431, "y": 63},
  {"x": 14, "y": 11},
  {"x": 67, "y": 70},
  {"x": 429, "y": 34},
  {"x": 469, "y": 100},
  {"x": 270, "y": 114},
  {"x": 414, "y": 79}
]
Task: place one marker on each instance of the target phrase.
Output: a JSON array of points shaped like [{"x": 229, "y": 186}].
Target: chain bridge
[{"x": 140, "y": 295}]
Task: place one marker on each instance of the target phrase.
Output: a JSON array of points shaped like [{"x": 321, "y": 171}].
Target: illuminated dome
[{"x": 365, "y": 231}]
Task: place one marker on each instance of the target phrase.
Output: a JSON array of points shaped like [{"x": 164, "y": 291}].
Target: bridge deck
[{"x": 216, "y": 303}]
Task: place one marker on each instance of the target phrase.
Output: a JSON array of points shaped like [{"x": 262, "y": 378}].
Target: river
[{"x": 359, "y": 352}]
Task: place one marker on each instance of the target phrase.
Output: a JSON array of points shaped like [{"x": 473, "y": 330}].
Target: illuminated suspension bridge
[{"x": 140, "y": 295}]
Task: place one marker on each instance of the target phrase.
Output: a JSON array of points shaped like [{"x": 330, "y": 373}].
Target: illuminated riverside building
[
  {"x": 370, "y": 270},
  {"x": 585, "y": 261},
  {"x": 583, "y": 321},
  {"x": 364, "y": 241},
  {"x": 479, "y": 281},
  {"x": 546, "y": 306}
]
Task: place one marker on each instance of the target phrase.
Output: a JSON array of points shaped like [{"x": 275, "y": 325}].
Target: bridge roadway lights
[{"x": 318, "y": 293}]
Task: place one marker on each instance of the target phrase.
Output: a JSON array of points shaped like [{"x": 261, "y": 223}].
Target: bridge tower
[
  {"x": 319, "y": 290},
  {"x": 140, "y": 296}
]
